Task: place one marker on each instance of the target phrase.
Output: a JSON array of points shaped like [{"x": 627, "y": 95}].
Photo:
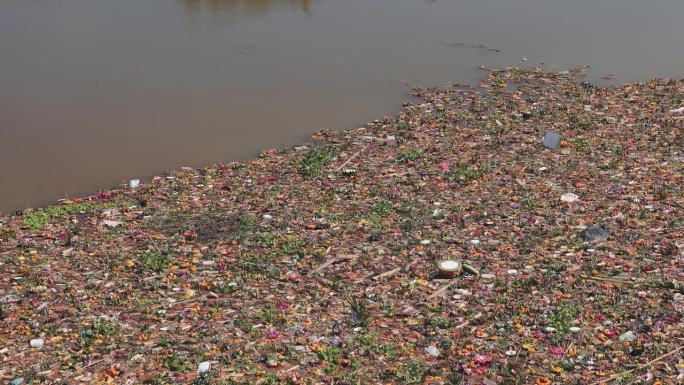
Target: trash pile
[{"x": 525, "y": 231}]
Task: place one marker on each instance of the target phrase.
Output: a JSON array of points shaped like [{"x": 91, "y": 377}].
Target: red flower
[{"x": 282, "y": 305}]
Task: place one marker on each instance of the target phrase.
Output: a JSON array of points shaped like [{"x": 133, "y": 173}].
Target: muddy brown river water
[{"x": 96, "y": 92}]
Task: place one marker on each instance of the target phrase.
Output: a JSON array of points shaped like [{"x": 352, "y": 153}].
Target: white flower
[{"x": 203, "y": 367}]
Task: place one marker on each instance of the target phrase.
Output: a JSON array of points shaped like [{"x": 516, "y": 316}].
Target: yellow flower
[{"x": 189, "y": 293}]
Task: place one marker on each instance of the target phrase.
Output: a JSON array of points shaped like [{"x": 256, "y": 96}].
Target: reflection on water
[
  {"x": 96, "y": 92},
  {"x": 250, "y": 7}
]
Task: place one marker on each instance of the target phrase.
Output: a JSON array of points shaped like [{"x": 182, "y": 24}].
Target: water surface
[{"x": 96, "y": 92}]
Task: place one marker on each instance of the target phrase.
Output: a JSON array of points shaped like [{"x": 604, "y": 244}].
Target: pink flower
[
  {"x": 483, "y": 359},
  {"x": 481, "y": 370},
  {"x": 557, "y": 351},
  {"x": 444, "y": 166},
  {"x": 282, "y": 305},
  {"x": 273, "y": 334}
]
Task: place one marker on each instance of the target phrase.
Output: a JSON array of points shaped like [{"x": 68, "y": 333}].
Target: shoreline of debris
[{"x": 527, "y": 231}]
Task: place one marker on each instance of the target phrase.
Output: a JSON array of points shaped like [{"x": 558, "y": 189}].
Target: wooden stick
[
  {"x": 352, "y": 158},
  {"x": 568, "y": 348},
  {"x": 649, "y": 363},
  {"x": 673, "y": 285},
  {"x": 364, "y": 277},
  {"x": 467, "y": 322},
  {"x": 442, "y": 289},
  {"x": 607, "y": 279},
  {"x": 172, "y": 303},
  {"x": 331, "y": 261},
  {"x": 154, "y": 244},
  {"x": 388, "y": 273},
  {"x": 85, "y": 367}
]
